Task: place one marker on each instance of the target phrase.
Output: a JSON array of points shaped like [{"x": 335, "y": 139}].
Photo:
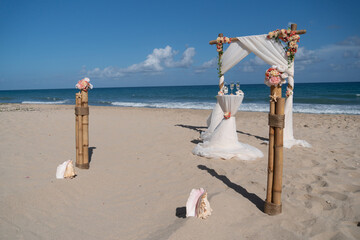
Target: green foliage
[{"x": 219, "y": 64}]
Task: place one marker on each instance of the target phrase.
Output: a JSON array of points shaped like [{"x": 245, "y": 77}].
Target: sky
[{"x": 52, "y": 44}]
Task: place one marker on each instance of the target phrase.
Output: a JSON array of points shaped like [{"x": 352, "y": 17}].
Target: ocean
[{"x": 321, "y": 98}]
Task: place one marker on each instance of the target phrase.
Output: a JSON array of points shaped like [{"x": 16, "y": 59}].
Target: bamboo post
[
  {"x": 82, "y": 130},
  {"x": 271, "y": 150},
  {"x": 221, "y": 84},
  {"x": 278, "y": 161},
  {"x": 80, "y": 139},
  {"x": 85, "y": 125},
  {"x": 77, "y": 104},
  {"x": 275, "y": 158}
]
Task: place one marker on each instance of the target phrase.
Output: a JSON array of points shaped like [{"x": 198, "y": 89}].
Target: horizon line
[{"x": 167, "y": 86}]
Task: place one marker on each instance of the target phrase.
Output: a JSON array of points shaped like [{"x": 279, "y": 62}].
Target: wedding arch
[{"x": 268, "y": 48}]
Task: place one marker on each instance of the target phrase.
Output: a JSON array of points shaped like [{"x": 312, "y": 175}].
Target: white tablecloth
[{"x": 223, "y": 142}]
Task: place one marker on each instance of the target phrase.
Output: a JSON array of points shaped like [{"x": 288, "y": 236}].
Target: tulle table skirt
[{"x": 222, "y": 142}]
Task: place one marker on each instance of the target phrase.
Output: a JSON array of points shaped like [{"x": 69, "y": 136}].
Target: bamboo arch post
[
  {"x": 85, "y": 146},
  {"x": 273, "y": 204},
  {"x": 77, "y": 122},
  {"x": 278, "y": 154},
  {"x": 273, "y": 92},
  {"x": 82, "y": 130},
  {"x": 221, "y": 84}
]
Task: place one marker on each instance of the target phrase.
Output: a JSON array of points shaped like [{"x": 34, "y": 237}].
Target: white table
[{"x": 223, "y": 142}]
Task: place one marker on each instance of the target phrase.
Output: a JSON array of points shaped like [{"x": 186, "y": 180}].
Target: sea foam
[
  {"x": 42, "y": 102},
  {"x": 249, "y": 107}
]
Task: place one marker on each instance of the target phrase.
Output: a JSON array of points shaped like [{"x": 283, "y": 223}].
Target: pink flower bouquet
[
  {"x": 273, "y": 77},
  {"x": 84, "y": 84}
]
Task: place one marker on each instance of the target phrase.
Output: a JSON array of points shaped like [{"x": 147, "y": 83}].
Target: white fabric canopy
[{"x": 273, "y": 53}]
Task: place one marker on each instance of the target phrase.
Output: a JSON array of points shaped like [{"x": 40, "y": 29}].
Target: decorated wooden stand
[{"x": 82, "y": 124}]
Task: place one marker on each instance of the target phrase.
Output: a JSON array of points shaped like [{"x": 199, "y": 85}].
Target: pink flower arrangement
[
  {"x": 84, "y": 84},
  {"x": 227, "y": 115},
  {"x": 220, "y": 41},
  {"x": 273, "y": 77},
  {"x": 219, "y": 47},
  {"x": 289, "y": 37},
  {"x": 289, "y": 93}
]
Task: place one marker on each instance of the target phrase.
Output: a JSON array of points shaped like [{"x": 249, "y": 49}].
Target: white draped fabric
[
  {"x": 271, "y": 52},
  {"x": 213, "y": 121},
  {"x": 223, "y": 142}
]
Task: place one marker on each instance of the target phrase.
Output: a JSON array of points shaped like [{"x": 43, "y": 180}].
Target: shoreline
[
  {"x": 142, "y": 170},
  {"x": 6, "y": 107}
]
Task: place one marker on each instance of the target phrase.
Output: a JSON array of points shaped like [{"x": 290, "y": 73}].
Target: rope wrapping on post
[
  {"x": 272, "y": 209},
  {"x": 276, "y": 120},
  {"x": 82, "y": 111}
]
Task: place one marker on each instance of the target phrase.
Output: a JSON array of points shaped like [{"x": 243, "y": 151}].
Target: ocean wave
[
  {"x": 307, "y": 108},
  {"x": 326, "y": 109},
  {"x": 249, "y": 107},
  {"x": 180, "y": 105},
  {"x": 42, "y": 102}
]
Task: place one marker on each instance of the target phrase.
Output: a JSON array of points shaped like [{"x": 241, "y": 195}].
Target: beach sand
[{"x": 142, "y": 170}]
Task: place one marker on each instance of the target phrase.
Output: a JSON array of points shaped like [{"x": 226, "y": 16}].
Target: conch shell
[
  {"x": 203, "y": 209},
  {"x": 198, "y": 204},
  {"x": 70, "y": 170},
  {"x": 65, "y": 170}
]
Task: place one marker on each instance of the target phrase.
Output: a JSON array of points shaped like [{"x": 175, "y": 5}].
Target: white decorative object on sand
[
  {"x": 197, "y": 204},
  {"x": 65, "y": 170}
]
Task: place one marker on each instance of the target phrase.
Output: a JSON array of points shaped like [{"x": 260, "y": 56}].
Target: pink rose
[{"x": 274, "y": 80}]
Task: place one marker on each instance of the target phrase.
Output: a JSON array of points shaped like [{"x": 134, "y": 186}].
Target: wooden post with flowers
[
  {"x": 220, "y": 49},
  {"x": 274, "y": 79},
  {"x": 82, "y": 124}
]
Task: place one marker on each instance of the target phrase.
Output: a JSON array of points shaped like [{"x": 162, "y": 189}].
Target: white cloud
[
  {"x": 305, "y": 57},
  {"x": 248, "y": 68},
  {"x": 155, "y": 62},
  {"x": 351, "y": 41},
  {"x": 206, "y": 65},
  {"x": 252, "y": 65},
  {"x": 336, "y": 67},
  {"x": 343, "y": 55}
]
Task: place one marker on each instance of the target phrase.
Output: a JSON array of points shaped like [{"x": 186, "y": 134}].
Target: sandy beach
[{"x": 142, "y": 170}]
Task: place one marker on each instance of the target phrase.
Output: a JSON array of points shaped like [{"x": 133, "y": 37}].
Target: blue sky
[{"x": 53, "y": 44}]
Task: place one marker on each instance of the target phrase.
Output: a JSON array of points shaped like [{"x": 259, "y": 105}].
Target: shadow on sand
[
  {"x": 252, "y": 197},
  {"x": 201, "y": 129},
  {"x": 181, "y": 212},
  {"x": 251, "y": 135},
  {"x": 195, "y": 128},
  {"x": 91, "y": 151}
]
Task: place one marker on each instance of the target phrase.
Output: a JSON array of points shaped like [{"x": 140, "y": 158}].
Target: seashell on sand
[
  {"x": 70, "y": 170},
  {"x": 65, "y": 170},
  {"x": 198, "y": 204},
  {"x": 203, "y": 209}
]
